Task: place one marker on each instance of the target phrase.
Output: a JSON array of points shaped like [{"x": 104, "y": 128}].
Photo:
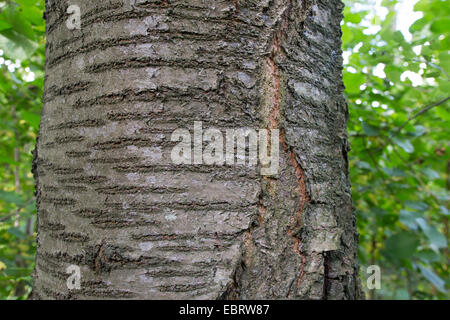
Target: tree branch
[
  {"x": 420, "y": 113},
  {"x": 2, "y": 219}
]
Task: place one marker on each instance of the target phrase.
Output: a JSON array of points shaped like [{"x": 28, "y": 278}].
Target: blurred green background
[{"x": 396, "y": 72}]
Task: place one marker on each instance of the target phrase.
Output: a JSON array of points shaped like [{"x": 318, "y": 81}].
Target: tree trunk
[{"x": 112, "y": 202}]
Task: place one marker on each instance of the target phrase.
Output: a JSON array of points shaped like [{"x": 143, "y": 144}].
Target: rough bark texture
[{"x": 111, "y": 201}]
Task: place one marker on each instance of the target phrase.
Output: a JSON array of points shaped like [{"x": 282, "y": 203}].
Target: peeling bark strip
[
  {"x": 111, "y": 201},
  {"x": 274, "y": 123}
]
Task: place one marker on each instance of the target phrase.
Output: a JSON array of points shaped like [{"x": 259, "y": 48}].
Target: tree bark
[{"x": 111, "y": 201}]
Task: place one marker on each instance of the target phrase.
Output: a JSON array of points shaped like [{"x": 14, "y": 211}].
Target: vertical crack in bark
[
  {"x": 236, "y": 6},
  {"x": 261, "y": 210},
  {"x": 303, "y": 200},
  {"x": 326, "y": 271},
  {"x": 274, "y": 123},
  {"x": 98, "y": 256}
]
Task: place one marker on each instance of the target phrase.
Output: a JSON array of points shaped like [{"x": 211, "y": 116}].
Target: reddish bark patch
[
  {"x": 236, "y": 5},
  {"x": 274, "y": 123},
  {"x": 262, "y": 211},
  {"x": 98, "y": 257}
]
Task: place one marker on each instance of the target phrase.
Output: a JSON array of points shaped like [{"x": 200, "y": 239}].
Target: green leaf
[
  {"x": 26, "y": 3},
  {"x": 436, "y": 238},
  {"x": 428, "y": 256},
  {"x": 418, "y": 205},
  {"x": 347, "y": 35},
  {"x": 443, "y": 114},
  {"x": 422, "y": 5},
  {"x": 16, "y": 46},
  {"x": 363, "y": 165},
  {"x": 433, "y": 278},
  {"x": 351, "y": 17},
  {"x": 11, "y": 197},
  {"x": 369, "y": 130},
  {"x": 404, "y": 144},
  {"x": 393, "y": 73},
  {"x": 9, "y": 160},
  {"x": 441, "y": 25},
  {"x": 430, "y": 173},
  {"x": 353, "y": 81},
  {"x": 394, "y": 172},
  {"x": 31, "y": 118},
  {"x": 33, "y": 14},
  {"x": 409, "y": 218},
  {"x": 4, "y": 25},
  {"x": 17, "y": 233},
  {"x": 401, "y": 294},
  {"x": 402, "y": 245},
  {"x": 419, "y": 131},
  {"x": 18, "y": 22}
]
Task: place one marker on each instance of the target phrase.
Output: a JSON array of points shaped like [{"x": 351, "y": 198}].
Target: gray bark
[{"x": 111, "y": 201}]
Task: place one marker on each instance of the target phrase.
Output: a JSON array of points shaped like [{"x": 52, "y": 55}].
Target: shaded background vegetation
[{"x": 397, "y": 68}]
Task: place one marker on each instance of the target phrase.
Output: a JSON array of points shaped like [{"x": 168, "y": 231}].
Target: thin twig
[
  {"x": 422, "y": 111},
  {"x": 17, "y": 211},
  {"x": 435, "y": 66}
]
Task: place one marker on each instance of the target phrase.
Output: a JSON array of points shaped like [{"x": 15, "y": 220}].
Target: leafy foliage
[
  {"x": 397, "y": 90},
  {"x": 398, "y": 93},
  {"x": 22, "y": 32}
]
